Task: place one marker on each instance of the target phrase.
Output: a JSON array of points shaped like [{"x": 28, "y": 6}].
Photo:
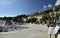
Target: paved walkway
[{"x": 35, "y": 31}]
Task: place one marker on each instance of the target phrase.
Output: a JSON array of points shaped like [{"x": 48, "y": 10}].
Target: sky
[{"x": 18, "y": 7}]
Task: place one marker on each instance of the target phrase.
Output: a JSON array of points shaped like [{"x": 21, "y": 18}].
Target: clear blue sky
[{"x": 18, "y": 7}]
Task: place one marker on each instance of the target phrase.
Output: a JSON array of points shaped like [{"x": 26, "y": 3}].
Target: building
[
  {"x": 39, "y": 15},
  {"x": 35, "y": 15}
]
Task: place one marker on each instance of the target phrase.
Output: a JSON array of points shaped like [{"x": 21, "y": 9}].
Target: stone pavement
[{"x": 35, "y": 31}]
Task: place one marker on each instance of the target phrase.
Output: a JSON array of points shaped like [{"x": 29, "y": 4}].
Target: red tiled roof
[{"x": 36, "y": 14}]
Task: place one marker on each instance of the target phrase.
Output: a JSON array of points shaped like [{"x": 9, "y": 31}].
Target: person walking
[{"x": 51, "y": 26}]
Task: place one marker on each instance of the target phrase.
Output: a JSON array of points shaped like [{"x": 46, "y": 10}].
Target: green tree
[
  {"x": 32, "y": 20},
  {"x": 5, "y": 18},
  {"x": 43, "y": 18},
  {"x": 51, "y": 13},
  {"x": 19, "y": 18},
  {"x": 46, "y": 17},
  {"x": 57, "y": 16}
]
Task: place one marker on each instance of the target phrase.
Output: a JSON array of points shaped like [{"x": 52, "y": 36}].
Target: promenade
[{"x": 34, "y": 31}]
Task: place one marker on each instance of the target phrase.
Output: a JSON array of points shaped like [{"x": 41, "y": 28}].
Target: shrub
[{"x": 32, "y": 20}]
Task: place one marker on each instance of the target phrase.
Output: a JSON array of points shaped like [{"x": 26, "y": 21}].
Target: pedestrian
[{"x": 51, "y": 26}]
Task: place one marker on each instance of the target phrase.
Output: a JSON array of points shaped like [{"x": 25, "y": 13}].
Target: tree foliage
[
  {"x": 51, "y": 13},
  {"x": 32, "y": 20},
  {"x": 16, "y": 18}
]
